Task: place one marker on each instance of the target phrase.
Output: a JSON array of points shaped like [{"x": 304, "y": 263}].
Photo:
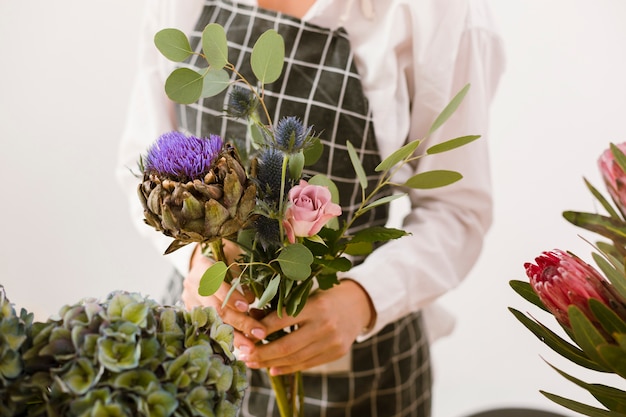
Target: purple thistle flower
[
  {"x": 291, "y": 134},
  {"x": 182, "y": 158}
]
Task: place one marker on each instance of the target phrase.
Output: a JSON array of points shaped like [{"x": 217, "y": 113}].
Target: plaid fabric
[{"x": 390, "y": 373}]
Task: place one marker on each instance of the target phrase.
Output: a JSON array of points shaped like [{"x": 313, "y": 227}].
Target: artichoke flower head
[{"x": 195, "y": 189}]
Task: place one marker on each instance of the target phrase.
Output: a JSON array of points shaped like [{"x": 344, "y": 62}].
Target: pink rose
[{"x": 310, "y": 208}]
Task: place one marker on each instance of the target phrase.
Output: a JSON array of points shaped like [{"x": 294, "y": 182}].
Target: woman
[{"x": 377, "y": 73}]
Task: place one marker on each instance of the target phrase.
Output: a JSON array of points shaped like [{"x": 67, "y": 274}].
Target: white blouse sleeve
[{"x": 448, "y": 224}]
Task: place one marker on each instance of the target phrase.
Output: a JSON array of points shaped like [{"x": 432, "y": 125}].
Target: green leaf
[
  {"x": 377, "y": 234},
  {"x": 615, "y": 357},
  {"x": 433, "y": 179},
  {"x": 215, "y": 81},
  {"x": 619, "y": 156},
  {"x": 451, "y": 144},
  {"x": 268, "y": 56},
  {"x": 556, "y": 343},
  {"x": 215, "y": 46},
  {"x": 270, "y": 291},
  {"x": 184, "y": 86},
  {"x": 212, "y": 279},
  {"x": 326, "y": 281},
  {"x": 609, "y": 320},
  {"x": 295, "y": 261},
  {"x": 605, "y": 203},
  {"x": 399, "y": 155},
  {"x": 614, "y": 275},
  {"x": 296, "y": 164},
  {"x": 524, "y": 289},
  {"x": 381, "y": 201},
  {"x": 359, "y": 249},
  {"x": 313, "y": 152},
  {"x": 335, "y": 265},
  {"x": 358, "y": 167},
  {"x": 580, "y": 407},
  {"x": 586, "y": 335},
  {"x": 612, "y": 398},
  {"x": 608, "y": 227},
  {"x": 449, "y": 110},
  {"x": 173, "y": 44},
  {"x": 298, "y": 297}
]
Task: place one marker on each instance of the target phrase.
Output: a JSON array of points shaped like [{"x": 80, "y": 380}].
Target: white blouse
[{"x": 413, "y": 57}]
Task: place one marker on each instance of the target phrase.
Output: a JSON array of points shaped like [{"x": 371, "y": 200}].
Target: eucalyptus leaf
[
  {"x": 340, "y": 264},
  {"x": 449, "y": 109},
  {"x": 433, "y": 179},
  {"x": 173, "y": 44},
  {"x": 296, "y": 164},
  {"x": 184, "y": 86},
  {"x": 451, "y": 144},
  {"x": 295, "y": 261},
  {"x": 215, "y": 81},
  {"x": 382, "y": 201},
  {"x": 268, "y": 56},
  {"x": 358, "y": 167},
  {"x": 270, "y": 291},
  {"x": 215, "y": 46},
  {"x": 399, "y": 155},
  {"x": 359, "y": 249},
  {"x": 524, "y": 289},
  {"x": 313, "y": 152},
  {"x": 212, "y": 279}
]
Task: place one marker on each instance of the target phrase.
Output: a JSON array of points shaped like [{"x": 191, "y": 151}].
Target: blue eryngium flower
[
  {"x": 291, "y": 134},
  {"x": 182, "y": 158},
  {"x": 241, "y": 102},
  {"x": 269, "y": 174}
]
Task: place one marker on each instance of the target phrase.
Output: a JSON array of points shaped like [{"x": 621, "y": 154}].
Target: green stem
[{"x": 281, "y": 395}]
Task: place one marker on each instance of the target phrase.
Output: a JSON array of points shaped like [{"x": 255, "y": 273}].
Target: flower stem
[{"x": 281, "y": 395}]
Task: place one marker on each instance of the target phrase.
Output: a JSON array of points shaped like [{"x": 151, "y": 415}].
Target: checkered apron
[{"x": 390, "y": 372}]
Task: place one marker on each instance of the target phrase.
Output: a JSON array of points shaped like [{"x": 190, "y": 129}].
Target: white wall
[{"x": 66, "y": 69}]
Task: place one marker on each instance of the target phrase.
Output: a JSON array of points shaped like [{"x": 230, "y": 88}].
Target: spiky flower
[
  {"x": 561, "y": 279},
  {"x": 614, "y": 176},
  {"x": 291, "y": 135},
  {"x": 241, "y": 102},
  {"x": 195, "y": 189}
]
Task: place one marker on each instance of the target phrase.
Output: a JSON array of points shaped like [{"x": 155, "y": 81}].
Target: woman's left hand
[{"x": 328, "y": 324}]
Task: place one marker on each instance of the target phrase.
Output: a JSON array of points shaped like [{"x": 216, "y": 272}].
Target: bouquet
[
  {"x": 123, "y": 356},
  {"x": 588, "y": 302},
  {"x": 285, "y": 226}
]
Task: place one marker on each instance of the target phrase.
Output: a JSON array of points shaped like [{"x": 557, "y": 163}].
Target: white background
[{"x": 65, "y": 74}]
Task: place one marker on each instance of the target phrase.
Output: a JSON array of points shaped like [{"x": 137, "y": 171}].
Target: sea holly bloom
[
  {"x": 614, "y": 177},
  {"x": 310, "y": 208},
  {"x": 195, "y": 189},
  {"x": 291, "y": 135},
  {"x": 561, "y": 279}
]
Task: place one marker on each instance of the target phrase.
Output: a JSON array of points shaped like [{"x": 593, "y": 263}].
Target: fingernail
[
  {"x": 243, "y": 356},
  {"x": 254, "y": 365},
  {"x": 258, "y": 333},
  {"x": 241, "y": 306},
  {"x": 244, "y": 349},
  {"x": 276, "y": 371}
]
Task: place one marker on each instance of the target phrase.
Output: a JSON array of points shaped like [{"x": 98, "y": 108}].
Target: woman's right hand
[{"x": 235, "y": 312}]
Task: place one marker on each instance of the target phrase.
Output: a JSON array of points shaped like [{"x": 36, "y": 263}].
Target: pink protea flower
[
  {"x": 561, "y": 279},
  {"x": 614, "y": 177}
]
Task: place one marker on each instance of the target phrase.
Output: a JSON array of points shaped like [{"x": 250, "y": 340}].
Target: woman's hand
[
  {"x": 234, "y": 312},
  {"x": 327, "y": 326}
]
